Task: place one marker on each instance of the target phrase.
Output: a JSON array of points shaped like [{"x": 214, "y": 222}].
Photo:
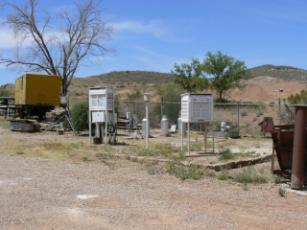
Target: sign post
[{"x": 146, "y": 100}]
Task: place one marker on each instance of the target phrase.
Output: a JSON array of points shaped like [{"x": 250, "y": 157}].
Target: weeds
[
  {"x": 224, "y": 175},
  {"x": 154, "y": 168},
  {"x": 161, "y": 150},
  {"x": 278, "y": 180},
  {"x": 245, "y": 176},
  {"x": 250, "y": 175},
  {"x": 281, "y": 192},
  {"x": 226, "y": 155},
  {"x": 185, "y": 172}
]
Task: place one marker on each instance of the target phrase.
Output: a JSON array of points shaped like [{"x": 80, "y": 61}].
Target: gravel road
[{"x": 43, "y": 194}]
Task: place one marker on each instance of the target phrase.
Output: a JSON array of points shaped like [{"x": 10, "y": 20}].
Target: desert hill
[
  {"x": 280, "y": 72},
  {"x": 259, "y": 86}
]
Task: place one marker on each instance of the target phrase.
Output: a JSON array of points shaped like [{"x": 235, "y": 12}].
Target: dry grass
[{"x": 259, "y": 174}]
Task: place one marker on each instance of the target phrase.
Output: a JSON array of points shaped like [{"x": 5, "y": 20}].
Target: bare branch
[{"x": 83, "y": 34}]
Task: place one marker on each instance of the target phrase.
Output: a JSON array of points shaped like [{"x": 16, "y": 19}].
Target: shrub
[
  {"x": 79, "y": 116},
  {"x": 299, "y": 98},
  {"x": 248, "y": 176},
  {"x": 185, "y": 172},
  {"x": 226, "y": 155},
  {"x": 281, "y": 192}
]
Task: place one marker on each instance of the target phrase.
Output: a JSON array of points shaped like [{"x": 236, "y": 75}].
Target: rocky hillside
[{"x": 281, "y": 72}]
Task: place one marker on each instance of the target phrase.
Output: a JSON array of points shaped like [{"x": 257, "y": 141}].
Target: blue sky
[{"x": 153, "y": 35}]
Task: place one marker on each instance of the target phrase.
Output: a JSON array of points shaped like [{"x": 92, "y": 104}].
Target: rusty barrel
[{"x": 299, "y": 147}]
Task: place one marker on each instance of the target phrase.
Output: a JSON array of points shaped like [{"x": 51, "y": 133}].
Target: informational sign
[
  {"x": 196, "y": 108},
  {"x": 98, "y": 117}
]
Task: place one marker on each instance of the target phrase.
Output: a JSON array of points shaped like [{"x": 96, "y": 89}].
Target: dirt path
[{"x": 41, "y": 194}]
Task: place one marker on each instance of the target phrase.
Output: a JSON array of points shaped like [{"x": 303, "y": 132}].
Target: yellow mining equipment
[{"x": 36, "y": 94}]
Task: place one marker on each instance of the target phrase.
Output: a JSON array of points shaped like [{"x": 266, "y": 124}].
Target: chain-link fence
[{"x": 235, "y": 118}]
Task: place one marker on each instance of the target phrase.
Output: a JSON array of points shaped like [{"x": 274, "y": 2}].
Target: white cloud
[
  {"x": 154, "y": 28},
  {"x": 9, "y": 40}
]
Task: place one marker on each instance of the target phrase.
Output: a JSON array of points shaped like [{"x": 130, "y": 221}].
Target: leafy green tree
[
  {"x": 189, "y": 76},
  {"x": 170, "y": 93},
  {"x": 224, "y": 72}
]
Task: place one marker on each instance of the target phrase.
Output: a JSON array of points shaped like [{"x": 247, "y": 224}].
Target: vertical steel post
[
  {"x": 299, "y": 143},
  {"x": 238, "y": 118},
  {"x": 106, "y": 122},
  {"x": 181, "y": 137},
  {"x": 147, "y": 126},
  {"x": 90, "y": 127},
  {"x": 189, "y": 139},
  {"x": 162, "y": 107}
]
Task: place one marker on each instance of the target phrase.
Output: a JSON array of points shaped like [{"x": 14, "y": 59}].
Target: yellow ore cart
[{"x": 36, "y": 94}]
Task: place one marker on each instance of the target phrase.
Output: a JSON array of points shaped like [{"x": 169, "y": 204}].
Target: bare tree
[{"x": 59, "y": 51}]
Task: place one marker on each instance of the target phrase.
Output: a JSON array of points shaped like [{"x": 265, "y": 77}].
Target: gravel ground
[{"x": 46, "y": 194}]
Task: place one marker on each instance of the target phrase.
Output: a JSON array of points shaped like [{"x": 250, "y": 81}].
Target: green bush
[
  {"x": 4, "y": 93},
  {"x": 299, "y": 98},
  {"x": 226, "y": 155},
  {"x": 79, "y": 116}
]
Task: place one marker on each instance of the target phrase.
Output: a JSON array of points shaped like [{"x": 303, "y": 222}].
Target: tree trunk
[
  {"x": 64, "y": 87},
  {"x": 220, "y": 96}
]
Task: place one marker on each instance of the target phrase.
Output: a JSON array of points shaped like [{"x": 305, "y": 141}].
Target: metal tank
[
  {"x": 164, "y": 126},
  {"x": 144, "y": 128}
]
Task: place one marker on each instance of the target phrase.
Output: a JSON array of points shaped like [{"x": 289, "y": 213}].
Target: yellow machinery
[{"x": 36, "y": 94}]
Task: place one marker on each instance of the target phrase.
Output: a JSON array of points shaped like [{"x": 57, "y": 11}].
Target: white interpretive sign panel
[{"x": 196, "y": 108}]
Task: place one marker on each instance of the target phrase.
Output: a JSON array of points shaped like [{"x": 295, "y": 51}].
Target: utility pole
[{"x": 279, "y": 91}]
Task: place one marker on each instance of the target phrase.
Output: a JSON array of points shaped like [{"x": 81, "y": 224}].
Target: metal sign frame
[{"x": 195, "y": 108}]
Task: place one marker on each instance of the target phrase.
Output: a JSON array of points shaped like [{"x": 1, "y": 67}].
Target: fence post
[{"x": 238, "y": 118}]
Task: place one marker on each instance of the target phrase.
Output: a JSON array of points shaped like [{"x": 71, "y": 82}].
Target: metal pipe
[{"x": 299, "y": 143}]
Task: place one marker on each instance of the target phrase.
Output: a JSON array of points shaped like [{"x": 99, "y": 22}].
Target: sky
[{"x": 154, "y": 35}]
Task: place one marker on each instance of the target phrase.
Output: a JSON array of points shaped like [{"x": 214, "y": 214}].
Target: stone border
[{"x": 216, "y": 167}]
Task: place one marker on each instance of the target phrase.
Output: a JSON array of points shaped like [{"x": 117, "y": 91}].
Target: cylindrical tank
[
  {"x": 144, "y": 127},
  {"x": 128, "y": 115},
  {"x": 182, "y": 128},
  {"x": 164, "y": 126},
  {"x": 223, "y": 126}
]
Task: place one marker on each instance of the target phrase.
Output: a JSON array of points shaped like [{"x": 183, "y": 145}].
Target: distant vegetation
[
  {"x": 190, "y": 76},
  {"x": 299, "y": 98},
  {"x": 218, "y": 71},
  {"x": 4, "y": 93}
]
